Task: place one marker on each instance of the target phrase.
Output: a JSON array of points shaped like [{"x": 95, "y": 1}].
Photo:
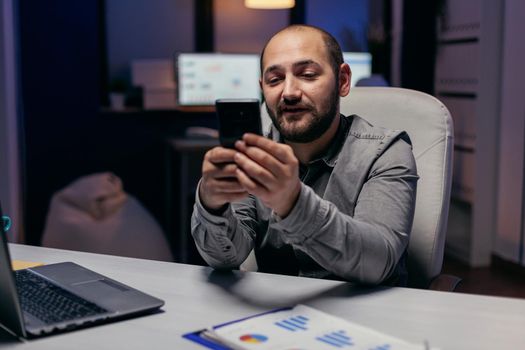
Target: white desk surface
[{"x": 198, "y": 296}]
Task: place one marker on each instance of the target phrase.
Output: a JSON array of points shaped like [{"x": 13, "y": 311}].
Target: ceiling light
[{"x": 269, "y": 4}]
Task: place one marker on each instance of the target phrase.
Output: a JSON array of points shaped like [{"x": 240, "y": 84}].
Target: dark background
[{"x": 66, "y": 131}]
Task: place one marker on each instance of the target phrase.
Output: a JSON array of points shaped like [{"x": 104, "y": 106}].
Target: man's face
[{"x": 299, "y": 85}]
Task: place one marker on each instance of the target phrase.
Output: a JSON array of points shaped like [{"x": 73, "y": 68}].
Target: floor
[{"x": 500, "y": 279}]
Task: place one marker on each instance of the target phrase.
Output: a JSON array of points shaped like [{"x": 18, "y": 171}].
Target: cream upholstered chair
[{"x": 429, "y": 125}]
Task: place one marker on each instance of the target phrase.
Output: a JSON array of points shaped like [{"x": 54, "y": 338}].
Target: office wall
[
  {"x": 59, "y": 77},
  {"x": 139, "y": 29},
  {"x": 510, "y": 235},
  {"x": 239, "y": 29},
  {"x": 457, "y": 76},
  {"x": 346, "y": 20},
  {"x": 10, "y": 194},
  {"x": 242, "y": 30},
  {"x": 397, "y": 42},
  {"x": 468, "y": 81}
]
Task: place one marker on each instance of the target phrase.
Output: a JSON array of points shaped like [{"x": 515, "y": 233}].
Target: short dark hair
[{"x": 335, "y": 54}]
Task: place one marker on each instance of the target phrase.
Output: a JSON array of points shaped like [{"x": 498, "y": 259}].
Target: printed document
[{"x": 303, "y": 327}]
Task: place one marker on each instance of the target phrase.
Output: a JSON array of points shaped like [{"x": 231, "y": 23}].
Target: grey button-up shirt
[{"x": 351, "y": 221}]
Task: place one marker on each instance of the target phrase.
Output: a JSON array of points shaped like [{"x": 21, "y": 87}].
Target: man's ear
[
  {"x": 345, "y": 76},
  {"x": 260, "y": 83}
]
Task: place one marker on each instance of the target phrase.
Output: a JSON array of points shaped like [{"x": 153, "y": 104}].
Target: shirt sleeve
[
  {"x": 367, "y": 246},
  {"x": 224, "y": 241}
]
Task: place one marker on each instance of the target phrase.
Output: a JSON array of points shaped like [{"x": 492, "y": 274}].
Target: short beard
[{"x": 319, "y": 123}]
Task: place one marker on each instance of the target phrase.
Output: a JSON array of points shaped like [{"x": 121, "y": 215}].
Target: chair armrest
[{"x": 445, "y": 283}]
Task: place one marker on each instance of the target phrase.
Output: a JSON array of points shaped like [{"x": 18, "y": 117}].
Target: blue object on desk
[
  {"x": 199, "y": 339},
  {"x": 6, "y": 222}
]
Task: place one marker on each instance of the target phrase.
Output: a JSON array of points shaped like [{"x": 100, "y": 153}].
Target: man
[{"x": 325, "y": 195}]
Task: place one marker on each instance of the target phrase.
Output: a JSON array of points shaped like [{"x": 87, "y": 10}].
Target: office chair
[{"x": 429, "y": 125}]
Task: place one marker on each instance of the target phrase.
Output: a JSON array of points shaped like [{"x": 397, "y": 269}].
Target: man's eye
[
  {"x": 273, "y": 80},
  {"x": 309, "y": 75}
]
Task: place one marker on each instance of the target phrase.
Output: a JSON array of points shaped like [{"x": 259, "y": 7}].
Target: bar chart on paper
[
  {"x": 338, "y": 339},
  {"x": 294, "y": 324}
]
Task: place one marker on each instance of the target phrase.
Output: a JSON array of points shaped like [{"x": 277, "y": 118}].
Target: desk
[
  {"x": 191, "y": 153},
  {"x": 198, "y": 296}
]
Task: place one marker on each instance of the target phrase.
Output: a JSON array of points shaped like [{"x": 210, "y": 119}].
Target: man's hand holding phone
[
  {"x": 268, "y": 170},
  {"x": 219, "y": 183},
  {"x": 247, "y": 162},
  {"x": 257, "y": 165}
]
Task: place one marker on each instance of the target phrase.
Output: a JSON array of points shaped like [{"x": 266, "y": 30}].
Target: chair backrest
[{"x": 429, "y": 125}]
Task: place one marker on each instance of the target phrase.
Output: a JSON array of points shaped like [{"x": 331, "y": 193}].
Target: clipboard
[{"x": 199, "y": 338}]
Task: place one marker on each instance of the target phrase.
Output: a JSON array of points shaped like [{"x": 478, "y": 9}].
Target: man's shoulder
[
  {"x": 363, "y": 129},
  {"x": 365, "y": 138}
]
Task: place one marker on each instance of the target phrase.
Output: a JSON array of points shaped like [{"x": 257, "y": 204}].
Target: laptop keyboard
[{"x": 50, "y": 303}]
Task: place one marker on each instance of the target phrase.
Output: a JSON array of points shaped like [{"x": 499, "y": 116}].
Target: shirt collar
[{"x": 332, "y": 153}]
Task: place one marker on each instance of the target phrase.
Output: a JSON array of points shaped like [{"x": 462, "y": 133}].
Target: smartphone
[{"x": 237, "y": 117}]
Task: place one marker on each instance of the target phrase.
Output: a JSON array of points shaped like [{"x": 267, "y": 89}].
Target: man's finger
[
  {"x": 222, "y": 170},
  {"x": 220, "y": 155},
  {"x": 263, "y": 158},
  {"x": 250, "y": 184},
  {"x": 225, "y": 170},
  {"x": 254, "y": 170},
  {"x": 281, "y": 152}
]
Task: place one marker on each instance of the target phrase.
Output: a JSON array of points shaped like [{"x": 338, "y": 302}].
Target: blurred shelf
[{"x": 180, "y": 109}]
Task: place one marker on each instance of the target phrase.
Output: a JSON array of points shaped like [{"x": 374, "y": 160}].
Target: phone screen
[{"x": 237, "y": 117}]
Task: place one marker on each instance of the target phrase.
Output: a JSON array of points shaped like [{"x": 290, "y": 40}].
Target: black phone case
[{"x": 237, "y": 117}]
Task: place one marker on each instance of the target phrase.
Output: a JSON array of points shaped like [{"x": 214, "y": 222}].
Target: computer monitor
[
  {"x": 203, "y": 78},
  {"x": 360, "y": 63}
]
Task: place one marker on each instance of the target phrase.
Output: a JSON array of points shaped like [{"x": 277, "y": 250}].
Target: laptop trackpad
[
  {"x": 103, "y": 291},
  {"x": 100, "y": 287},
  {"x": 67, "y": 273},
  {"x": 86, "y": 283}
]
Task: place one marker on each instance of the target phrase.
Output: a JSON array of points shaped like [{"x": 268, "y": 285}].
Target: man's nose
[{"x": 291, "y": 90}]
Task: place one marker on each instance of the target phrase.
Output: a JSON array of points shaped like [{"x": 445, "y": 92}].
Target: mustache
[{"x": 283, "y": 106}]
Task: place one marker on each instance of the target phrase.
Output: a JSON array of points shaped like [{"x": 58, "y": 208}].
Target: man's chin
[
  {"x": 293, "y": 133},
  {"x": 294, "y": 124},
  {"x": 297, "y": 137},
  {"x": 294, "y": 115}
]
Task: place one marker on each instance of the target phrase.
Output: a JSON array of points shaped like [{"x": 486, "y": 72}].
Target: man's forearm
[
  {"x": 222, "y": 240},
  {"x": 364, "y": 248}
]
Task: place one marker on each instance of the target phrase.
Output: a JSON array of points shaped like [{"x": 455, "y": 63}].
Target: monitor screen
[
  {"x": 203, "y": 78},
  {"x": 360, "y": 64}
]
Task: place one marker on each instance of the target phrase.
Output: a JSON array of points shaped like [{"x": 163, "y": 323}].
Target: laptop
[{"x": 60, "y": 297}]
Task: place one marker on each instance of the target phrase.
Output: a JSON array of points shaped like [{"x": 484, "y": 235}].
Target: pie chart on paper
[{"x": 253, "y": 338}]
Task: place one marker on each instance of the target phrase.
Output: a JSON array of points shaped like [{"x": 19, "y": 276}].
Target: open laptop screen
[
  {"x": 204, "y": 78},
  {"x": 10, "y": 312}
]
